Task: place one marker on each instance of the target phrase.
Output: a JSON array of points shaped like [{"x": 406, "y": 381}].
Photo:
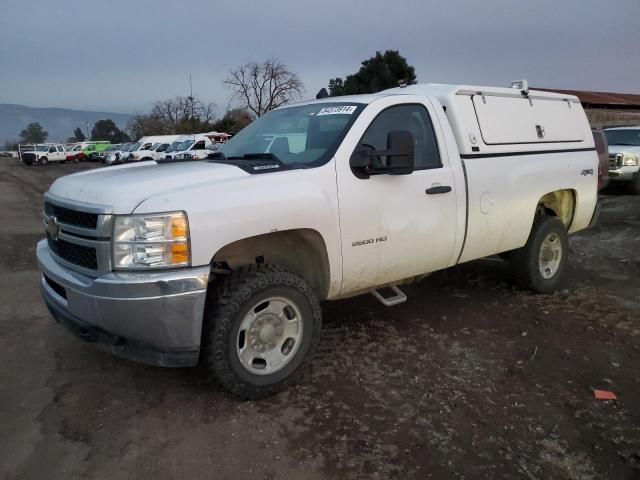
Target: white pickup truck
[
  {"x": 44, "y": 153},
  {"x": 226, "y": 260},
  {"x": 624, "y": 156}
]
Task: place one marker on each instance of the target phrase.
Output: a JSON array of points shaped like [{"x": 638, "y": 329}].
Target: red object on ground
[{"x": 604, "y": 395}]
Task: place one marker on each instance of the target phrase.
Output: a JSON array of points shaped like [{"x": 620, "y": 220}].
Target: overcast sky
[{"x": 122, "y": 55}]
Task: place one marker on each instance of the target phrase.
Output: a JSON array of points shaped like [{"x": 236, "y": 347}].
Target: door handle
[{"x": 438, "y": 189}]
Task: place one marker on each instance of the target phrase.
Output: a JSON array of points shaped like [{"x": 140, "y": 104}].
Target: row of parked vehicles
[
  {"x": 618, "y": 149},
  {"x": 157, "y": 147}
]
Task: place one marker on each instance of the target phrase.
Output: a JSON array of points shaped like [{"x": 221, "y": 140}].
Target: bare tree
[
  {"x": 260, "y": 87},
  {"x": 181, "y": 112}
]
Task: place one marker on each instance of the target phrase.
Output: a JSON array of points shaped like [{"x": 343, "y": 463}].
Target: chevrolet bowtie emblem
[{"x": 52, "y": 228}]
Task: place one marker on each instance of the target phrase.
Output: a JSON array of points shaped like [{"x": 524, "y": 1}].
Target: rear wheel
[
  {"x": 540, "y": 264},
  {"x": 262, "y": 325}
]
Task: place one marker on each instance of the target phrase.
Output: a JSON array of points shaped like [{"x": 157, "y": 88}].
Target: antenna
[{"x": 192, "y": 106}]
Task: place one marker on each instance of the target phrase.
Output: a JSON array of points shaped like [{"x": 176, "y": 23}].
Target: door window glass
[{"x": 412, "y": 118}]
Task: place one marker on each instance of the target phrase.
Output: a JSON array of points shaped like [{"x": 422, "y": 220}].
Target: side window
[
  {"x": 52, "y": 150},
  {"x": 199, "y": 145},
  {"x": 413, "y": 118},
  {"x": 90, "y": 148},
  {"x": 60, "y": 149}
]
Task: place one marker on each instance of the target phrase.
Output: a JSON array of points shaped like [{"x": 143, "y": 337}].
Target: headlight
[
  {"x": 151, "y": 241},
  {"x": 629, "y": 160}
]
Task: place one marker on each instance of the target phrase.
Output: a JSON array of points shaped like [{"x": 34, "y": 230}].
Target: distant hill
[{"x": 59, "y": 122}]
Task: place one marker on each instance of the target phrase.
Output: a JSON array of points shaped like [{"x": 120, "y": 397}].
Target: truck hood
[
  {"x": 614, "y": 149},
  {"x": 125, "y": 187}
]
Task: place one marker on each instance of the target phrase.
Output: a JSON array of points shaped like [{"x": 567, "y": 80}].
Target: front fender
[{"x": 237, "y": 208}]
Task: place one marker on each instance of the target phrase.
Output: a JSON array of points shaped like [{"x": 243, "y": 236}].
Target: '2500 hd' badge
[{"x": 369, "y": 241}]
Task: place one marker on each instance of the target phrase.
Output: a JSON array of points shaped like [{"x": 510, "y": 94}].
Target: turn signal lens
[
  {"x": 179, "y": 253},
  {"x": 179, "y": 228}
]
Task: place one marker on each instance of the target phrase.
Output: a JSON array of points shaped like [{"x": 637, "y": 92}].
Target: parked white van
[
  {"x": 192, "y": 147},
  {"x": 151, "y": 147}
]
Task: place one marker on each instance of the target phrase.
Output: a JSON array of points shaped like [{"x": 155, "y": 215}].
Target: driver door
[{"x": 396, "y": 226}]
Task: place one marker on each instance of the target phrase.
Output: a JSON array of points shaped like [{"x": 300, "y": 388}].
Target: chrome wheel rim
[
  {"x": 269, "y": 335},
  {"x": 550, "y": 255}
]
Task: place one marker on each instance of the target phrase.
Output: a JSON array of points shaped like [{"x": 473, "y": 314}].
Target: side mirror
[
  {"x": 361, "y": 162},
  {"x": 401, "y": 156}
]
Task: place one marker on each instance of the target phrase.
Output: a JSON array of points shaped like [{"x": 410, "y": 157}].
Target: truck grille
[
  {"x": 615, "y": 161},
  {"x": 72, "y": 217},
  {"x": 80, "y": 255},
  {"x": 78, "y": 236}
]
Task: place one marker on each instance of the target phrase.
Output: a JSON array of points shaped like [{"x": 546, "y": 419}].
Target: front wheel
[
  {"x": 262, "y": 325},
  {"x": 44, "y": 161},
  {"x": 540, "y": 264}
]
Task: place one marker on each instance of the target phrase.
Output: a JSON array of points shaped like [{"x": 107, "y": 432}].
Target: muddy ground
[{"x": 471, "y": 378}]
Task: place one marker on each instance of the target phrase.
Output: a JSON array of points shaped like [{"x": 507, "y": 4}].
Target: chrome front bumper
[{"x": 150, "y": 317}]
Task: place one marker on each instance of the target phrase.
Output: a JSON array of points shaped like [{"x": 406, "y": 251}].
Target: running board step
[{"x": 398, "y": 298}]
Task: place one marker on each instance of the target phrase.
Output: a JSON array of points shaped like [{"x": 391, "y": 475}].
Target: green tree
[
  {"x": 107, "y": 130},
  {"x": 33, "y": 133},
  {"x": 382, "y": 71},
  {"x": 233, "y": 121},
  {"x": 78, "y": 135}
]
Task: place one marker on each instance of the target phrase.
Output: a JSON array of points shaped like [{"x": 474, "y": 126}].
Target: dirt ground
[{"x": 471, "y": 378}]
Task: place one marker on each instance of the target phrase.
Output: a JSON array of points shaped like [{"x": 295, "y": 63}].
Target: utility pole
[{"x": 88, "y": 138}]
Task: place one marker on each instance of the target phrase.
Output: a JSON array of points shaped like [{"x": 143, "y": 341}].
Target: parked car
[
  {"x": 100, "y": 156},
  {"x": 602, "y": 148},
  {"x": 118, "y": 155},
  {"x": 227, "y": 260},
  {"x": 44, "y": 153},
  {"x": 624, "y": 156}
]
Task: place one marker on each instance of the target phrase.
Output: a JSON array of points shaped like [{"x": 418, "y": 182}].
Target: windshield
[
  {"x": 133, "y": 147},
  {"x": 623, "y": 137},
  {"x": 42, "y": 148},
  {"x": 161, "y": 147},
  {"x": 174, "y": 147},
  {"x": 186, "y": 145},
  {"x": 308, "y": 134}
]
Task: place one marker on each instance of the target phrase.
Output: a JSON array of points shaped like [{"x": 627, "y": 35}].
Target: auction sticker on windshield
[{"x": 338, "y": 110}]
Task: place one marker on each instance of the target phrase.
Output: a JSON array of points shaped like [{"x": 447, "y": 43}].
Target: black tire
[
  {"x": 634, "y": 187},
  {"x": 525, "y": 262},
  {"x": 228, "y": 303},
  {"x": 44, "y": 161}
]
